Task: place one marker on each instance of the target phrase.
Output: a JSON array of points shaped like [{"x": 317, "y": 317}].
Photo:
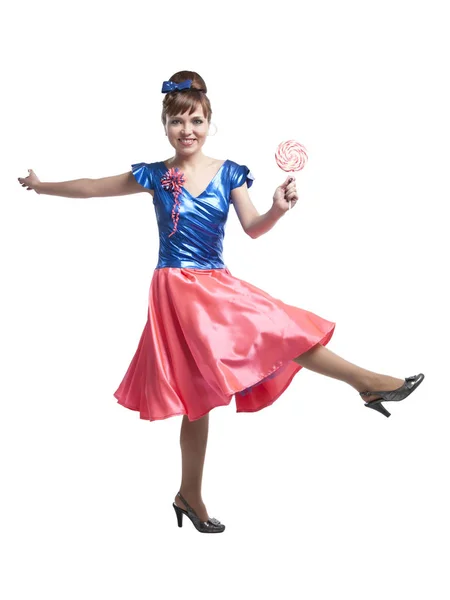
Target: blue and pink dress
[{"x": 209, "y": 336}]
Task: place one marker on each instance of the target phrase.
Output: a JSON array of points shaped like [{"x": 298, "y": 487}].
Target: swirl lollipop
[{"x": 291, "y": 156}]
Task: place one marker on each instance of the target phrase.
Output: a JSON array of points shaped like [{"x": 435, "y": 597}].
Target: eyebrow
[{"x": 193, "y": 117}]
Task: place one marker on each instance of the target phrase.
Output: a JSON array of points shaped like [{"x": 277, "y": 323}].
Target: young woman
[{"x": 210, "y": 336}]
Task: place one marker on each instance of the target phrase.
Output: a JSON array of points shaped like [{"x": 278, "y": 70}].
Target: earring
[{"x": 215, "y": 130}]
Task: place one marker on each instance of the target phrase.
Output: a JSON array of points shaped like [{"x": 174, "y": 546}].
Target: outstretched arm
[{"x": 117, "y": 185}]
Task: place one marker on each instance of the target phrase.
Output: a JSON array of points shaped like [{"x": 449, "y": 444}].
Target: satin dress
[{"x": 209, "y": 336}]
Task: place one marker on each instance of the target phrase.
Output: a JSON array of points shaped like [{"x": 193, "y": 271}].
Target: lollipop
[{"x": 291, "y": 156}]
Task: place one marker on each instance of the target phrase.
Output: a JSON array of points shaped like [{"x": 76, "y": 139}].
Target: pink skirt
[{"x": 209, "y": 336}]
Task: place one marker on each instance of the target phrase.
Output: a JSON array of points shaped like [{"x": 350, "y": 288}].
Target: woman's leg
[
  {"x": 324, "y": 361},
  {"x": 193, "y": 440}
]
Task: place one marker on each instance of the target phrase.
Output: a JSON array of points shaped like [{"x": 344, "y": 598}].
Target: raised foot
[{"x": 383, "y": 383}]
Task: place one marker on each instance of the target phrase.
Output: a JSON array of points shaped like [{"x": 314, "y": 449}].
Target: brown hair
[{"x": 179, "y": 101}]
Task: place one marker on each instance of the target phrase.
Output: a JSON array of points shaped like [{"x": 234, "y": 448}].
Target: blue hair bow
[{"x": 171, "y": 86}]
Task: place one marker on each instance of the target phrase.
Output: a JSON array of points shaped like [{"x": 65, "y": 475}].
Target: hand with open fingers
[
  {"x": 30, "y": 182},
  {"x": 285, "y": 192}
]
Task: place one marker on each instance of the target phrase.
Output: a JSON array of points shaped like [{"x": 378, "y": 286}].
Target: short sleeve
[
  {"x": 143, "y": 173},
  {"x": 240, "y": 175}
]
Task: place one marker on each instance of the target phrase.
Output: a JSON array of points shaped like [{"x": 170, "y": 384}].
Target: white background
[{"x": 321, "y": 498}]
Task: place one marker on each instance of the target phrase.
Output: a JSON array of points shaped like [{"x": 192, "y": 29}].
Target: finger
[
  {"x": 291, "y": 182},
  {"x": 286, "y": 182}
]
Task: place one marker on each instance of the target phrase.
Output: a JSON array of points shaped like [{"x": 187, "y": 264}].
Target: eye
[{"x": 199, "y": 121}]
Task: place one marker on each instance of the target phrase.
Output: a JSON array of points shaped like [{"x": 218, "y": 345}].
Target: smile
[{"x": 187, "y": 142}]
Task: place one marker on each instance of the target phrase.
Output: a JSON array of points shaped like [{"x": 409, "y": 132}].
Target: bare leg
[
  {"x": 193, "y": 440},
  {"x": 324, "y": 361}
]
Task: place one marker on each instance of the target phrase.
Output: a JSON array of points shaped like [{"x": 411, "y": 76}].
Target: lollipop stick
[{"x": 289, "y": 200}]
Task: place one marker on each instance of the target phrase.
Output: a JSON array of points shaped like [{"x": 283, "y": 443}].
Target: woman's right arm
[
  {"x": 117, "y": 185},
  {"x": 77, "y": 188}
]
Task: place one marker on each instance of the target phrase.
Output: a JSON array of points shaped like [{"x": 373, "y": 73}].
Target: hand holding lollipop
[{"x": 291, "y": 156}]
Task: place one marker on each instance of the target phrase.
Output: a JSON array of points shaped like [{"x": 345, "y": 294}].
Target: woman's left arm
[{"x": 252, "y": 222}]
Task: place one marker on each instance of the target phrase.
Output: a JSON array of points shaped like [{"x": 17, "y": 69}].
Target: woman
[{"x": 210, "y": 336}]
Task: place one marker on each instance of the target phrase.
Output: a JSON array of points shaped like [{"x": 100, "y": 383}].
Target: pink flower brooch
[{"x": 172, "y": 181}]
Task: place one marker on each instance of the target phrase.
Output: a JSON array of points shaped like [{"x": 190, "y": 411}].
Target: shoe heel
[
  {"x": 379, "y": 407},
  {"x": 179, "y": 514}
]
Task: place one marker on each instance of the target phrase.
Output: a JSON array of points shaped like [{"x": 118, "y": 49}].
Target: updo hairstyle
[{"x": 180, "y": 101}]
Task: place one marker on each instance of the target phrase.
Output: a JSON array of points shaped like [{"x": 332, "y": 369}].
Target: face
[{"x": 187, "y": 127}]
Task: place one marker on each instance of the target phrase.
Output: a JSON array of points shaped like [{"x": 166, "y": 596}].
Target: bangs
[{"x": 182, "y": 102}]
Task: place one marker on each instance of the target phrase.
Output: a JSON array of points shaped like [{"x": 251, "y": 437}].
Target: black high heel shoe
[
  {"x": 411, "y": 383},
  {"x": 210, "y": 526}
]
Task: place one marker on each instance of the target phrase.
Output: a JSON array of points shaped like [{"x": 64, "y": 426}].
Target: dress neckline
[{"x": 166, "y": 168}]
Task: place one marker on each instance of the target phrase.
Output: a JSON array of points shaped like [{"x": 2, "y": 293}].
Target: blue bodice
[{"x": 191, "y": 229}]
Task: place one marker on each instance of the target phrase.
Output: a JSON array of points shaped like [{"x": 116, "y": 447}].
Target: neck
[{"x": 188, "y": 162}]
